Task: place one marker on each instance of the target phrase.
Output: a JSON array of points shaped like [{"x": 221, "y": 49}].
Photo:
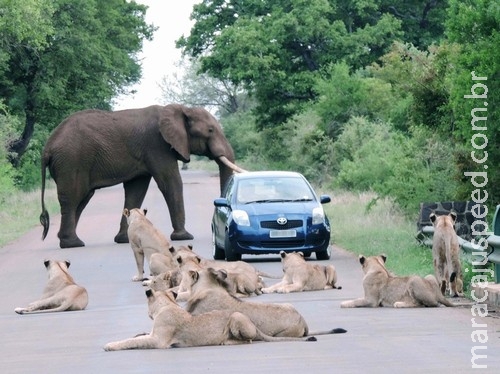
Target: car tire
[
  {"x": 230, "y": 254},
  {"x": 325, "y": 254},
  {"x": 217, "y": 252}
]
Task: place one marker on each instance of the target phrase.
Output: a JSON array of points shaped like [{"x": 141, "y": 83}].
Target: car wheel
[
  {"x": 230, "y": 255},
  {"x": 217, "y": 252},
  {"x": 325, "y": 254}
]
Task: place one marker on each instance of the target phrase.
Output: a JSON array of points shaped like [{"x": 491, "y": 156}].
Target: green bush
[
  {"x": 7, "y": 124},
  {"x": 408, "y": 169}
]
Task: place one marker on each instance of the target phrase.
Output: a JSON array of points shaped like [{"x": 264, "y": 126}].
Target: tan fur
[
  {"x": 174, "y": 327},
  {"x": 146, "y": 240},
  {"x": 384, "y": 289},
  {"x": 299, "y": 275},
  {"x": 242, "y": 278},
  {"x": 208, "y": 293},
  {"x": 61, "y": 292},
  {"x": 446, "y": 254},
  {"x": 169, "y": 280}
]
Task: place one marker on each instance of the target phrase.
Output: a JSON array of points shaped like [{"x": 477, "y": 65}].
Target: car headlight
[
  {"x": 318, "y": 215},
  {"x": 241, "y": 218}
]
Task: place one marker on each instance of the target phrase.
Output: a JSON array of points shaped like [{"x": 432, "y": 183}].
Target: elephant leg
[
  {"x": 171, "y": 188},
  {"x": 135, "y": 192},
  {"x": 69, "y": 218},
  {"x": 82, "y": 206}
]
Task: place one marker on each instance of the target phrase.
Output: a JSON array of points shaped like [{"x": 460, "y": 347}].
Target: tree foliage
[
  {"x": 474, "y": 26},
  {"x": 81, "y": 55},
  {"x": 276, "y": 49}
]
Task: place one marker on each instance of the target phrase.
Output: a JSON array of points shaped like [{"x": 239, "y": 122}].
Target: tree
[
  {"x": 85, "y": 56},
  {"x": 474, "y": 25},
  {"x": 189, "y": 87},
  {"x": 276, "y": 49}
]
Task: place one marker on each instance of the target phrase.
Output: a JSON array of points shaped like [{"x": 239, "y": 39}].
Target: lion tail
[
  {"x": 44, "y": 216},
  {"x": 266, "y": 275},
  {"x": 337, "y": 330}
]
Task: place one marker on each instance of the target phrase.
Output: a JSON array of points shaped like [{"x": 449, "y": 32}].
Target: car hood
[{"x": 278, "y": 208}]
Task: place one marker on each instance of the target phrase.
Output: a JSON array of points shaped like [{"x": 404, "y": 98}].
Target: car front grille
[
  {"x": 282, "y": 244},
  {"x": 273, "y": 225}
]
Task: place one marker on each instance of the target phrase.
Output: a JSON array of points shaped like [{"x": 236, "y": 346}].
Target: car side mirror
[
  {"x": 221, "y": 202},
  {"x": 324, "y": 199}
]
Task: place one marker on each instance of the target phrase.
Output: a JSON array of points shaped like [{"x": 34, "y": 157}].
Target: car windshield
[{"x": 260, "y": 190}]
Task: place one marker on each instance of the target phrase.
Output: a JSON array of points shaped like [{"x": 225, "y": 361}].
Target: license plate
[{"x": 282, "y": 233}]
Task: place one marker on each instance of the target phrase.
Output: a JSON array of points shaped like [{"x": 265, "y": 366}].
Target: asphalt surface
[{"x": 382, "y": 340}]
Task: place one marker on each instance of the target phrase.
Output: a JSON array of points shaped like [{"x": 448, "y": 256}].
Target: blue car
[{"x": 268, "y": 212}]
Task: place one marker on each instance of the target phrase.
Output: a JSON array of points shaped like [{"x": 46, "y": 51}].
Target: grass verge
[
  {"x": 21, "y": 211},
  {"x": 382, "y": 229}
]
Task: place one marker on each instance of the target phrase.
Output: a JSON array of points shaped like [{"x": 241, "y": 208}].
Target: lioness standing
[
  {"x": 173, "y": 327},
  {"x": 61, "y": 292},
  {"x": 384, "y": 289},
  {"x": 446, "y": 254},
  {"x": 146, "y": 240}
]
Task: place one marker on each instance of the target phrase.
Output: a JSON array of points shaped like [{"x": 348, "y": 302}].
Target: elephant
[{"x": 93, "y": 149}]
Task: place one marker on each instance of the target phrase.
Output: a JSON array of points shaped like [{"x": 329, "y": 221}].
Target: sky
[{"x": 159, "y": 56}]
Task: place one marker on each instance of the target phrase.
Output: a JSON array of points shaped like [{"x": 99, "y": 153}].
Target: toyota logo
[{"x": 282, "y": 221}]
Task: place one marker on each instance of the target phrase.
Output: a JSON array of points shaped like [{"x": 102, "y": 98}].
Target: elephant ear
[{"x": 173, "y": 121}]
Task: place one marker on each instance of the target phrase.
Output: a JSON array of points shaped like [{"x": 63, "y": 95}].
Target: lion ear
[
  {"x": 172, "y": 126},
  {"x": 453, "y": 216},
  {"x": 68, "y": 262},
  {"x": 283, "y": 254},
  {"x": 145, "y": 211},
  {"x": 362, "y": 259},
  {"x": 432, "y": 217},
  {"x": 383, "y": 257}
]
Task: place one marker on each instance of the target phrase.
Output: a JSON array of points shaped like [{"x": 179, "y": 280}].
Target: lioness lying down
[
  {"x": 174, "y": 327},
  {"x": 208, "y": 293},
  {"x": 61, "y": 292},
  {"x": 384, "y": 289},
  {"x": 299, "y": 275}
]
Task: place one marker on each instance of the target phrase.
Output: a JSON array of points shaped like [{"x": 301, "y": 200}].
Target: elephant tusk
[{"x": 230, "y": 165}]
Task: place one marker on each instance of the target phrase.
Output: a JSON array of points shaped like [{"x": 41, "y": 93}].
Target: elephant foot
[
  {"x": 181, "y": 235},
  {"x": 121, "y": 238},
  {"x": 71, "y": 243}
]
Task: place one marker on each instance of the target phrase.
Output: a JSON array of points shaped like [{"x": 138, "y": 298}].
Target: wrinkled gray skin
[{"x": 93, "y": 149}]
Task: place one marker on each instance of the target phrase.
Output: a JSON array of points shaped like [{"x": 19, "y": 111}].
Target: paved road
[{"x": 384, "y": 340}]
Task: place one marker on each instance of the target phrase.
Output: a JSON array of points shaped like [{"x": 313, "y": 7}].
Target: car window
[
  {"x": 273, "y": 189},
  {"x": 228, "y": 192}
]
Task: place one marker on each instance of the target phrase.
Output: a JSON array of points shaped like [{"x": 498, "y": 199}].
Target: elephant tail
[{"x": 44, "y": 217}]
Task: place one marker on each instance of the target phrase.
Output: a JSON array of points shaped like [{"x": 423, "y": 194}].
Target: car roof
[{"x": 267, "y": 174}]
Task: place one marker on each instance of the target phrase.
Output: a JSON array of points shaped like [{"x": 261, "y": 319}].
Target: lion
[
  {"x": 61, "y": 292},
  {"x": 208, "y": 293},
  {"x": 385, "y": 289},
  {"x": 446, "y": 254},
  {"x": 173, "y": 327},
  {"x": 299, "y": 275},
  {"x": 243, "y": 279},
  {"x": 146, "y": 240}
]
